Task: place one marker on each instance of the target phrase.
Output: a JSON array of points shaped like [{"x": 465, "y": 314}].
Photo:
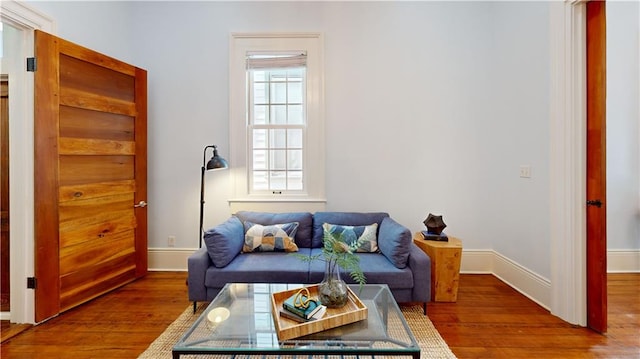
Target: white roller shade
[{"x": 257, "y": 61}]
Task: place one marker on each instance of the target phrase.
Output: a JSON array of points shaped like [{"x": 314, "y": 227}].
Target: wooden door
[
  {"x": 90, "y": 172},
  {"x": 596, "y": 168},
  {"x": 5, "y": 305}
]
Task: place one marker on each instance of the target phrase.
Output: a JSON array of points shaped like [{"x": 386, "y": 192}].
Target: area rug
[{"x": 431, "y": 343}]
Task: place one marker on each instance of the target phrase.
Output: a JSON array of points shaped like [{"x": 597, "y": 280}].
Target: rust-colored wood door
[
  {"x": 596, "y": 167},
  {"x": 90, "y": 174},
  {"x": 5, "y": 278}
]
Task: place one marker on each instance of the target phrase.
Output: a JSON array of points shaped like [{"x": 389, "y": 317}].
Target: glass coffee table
[{"x": 239, "y": 322}]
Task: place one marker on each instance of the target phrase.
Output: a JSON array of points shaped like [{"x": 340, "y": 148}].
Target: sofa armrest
[
  {"x": 197, "y": 264},
  {"x": 394, "y": 241},
  {"x": 224, "y": 241},
  {"x": 420, "y": 265}
]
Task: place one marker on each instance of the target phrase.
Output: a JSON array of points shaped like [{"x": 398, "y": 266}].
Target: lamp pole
[{"x": 215, "y": 163}]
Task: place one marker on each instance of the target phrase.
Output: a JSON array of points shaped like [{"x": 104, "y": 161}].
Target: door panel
[
  {"x": 95, "y": 169},
  {"x": 91, "y": 141},
  {"x": 103, "y": 125},
  {"x": 4, "y": 197},
  {"x": 596, "y": 167}
]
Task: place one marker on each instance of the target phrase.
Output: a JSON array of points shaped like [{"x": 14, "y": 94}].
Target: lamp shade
[{"x": 216, "y": 162}]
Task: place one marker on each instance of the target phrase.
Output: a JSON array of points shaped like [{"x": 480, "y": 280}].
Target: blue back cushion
[
  {"x": 304, "y": 219},
  {"x": 345, "y": 219},
  {"x": 394, "y": 241},
  {"x": 224, "y": 241}
]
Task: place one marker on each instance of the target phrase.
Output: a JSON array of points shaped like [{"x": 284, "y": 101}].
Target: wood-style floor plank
[{"x": 490, "y": 320}]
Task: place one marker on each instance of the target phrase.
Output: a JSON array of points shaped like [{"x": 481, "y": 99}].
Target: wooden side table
[{"x": 445, "y": 266}]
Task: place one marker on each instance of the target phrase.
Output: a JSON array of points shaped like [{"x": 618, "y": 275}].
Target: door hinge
[
  {"x": 31, "y": 64},
  {"x": 31, "y": 282}
]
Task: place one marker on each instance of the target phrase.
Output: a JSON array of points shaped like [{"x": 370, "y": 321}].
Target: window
[
  {"x": 276, "y": 85},
  {"x": 276, "y": 117}
]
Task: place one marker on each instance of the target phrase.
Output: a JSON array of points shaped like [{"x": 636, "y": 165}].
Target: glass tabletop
[{"x": 239, "y": 321}]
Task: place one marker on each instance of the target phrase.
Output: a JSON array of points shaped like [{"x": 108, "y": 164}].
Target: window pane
[
  {"x": 260, "y": 114},
  {"x": 279, "y": 114},
  {"x": 294, "y": 160},
  {"x": 260, "y": 181},
  {"x": 278, "y": 75},
  {"x": 294, "y": 180},
  {"x": 278, "y": 160},
  {"x": 296, "y": 74},
  {"x": 260, "y": 138},
  {"x": 279, "y": 92},
  {"x": 260, "y": 160},
  {"x": 295, "y": 92},
  {"x": 295, "y": 138},
  {"x": 259, "y": 75},
  {"x": 260, "y": 93},
  {"x": 278, "y": 138},
  {"x": 278, "y": 180},
  {"x": 296, "y": 117}
]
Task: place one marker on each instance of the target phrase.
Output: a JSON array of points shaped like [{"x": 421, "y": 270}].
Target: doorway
[{"x": 18, "y": 22}]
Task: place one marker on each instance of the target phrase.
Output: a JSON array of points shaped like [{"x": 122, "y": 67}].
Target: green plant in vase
[{"x": 338, "y": 253}]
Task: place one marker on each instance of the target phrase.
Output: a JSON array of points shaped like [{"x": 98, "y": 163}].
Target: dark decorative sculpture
[{"x": 434, "y": 224}]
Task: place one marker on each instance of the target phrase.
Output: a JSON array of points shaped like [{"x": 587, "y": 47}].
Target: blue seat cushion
[
  {"x": 262, "y": 267},
  {"x": 376, "y": 267}
]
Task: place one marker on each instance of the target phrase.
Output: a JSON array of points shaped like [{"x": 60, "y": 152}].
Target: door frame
[
  {"x": 568, "y": 161},
  {"x": 568, "y": 164},
  {"x": 21, "y": 204}
]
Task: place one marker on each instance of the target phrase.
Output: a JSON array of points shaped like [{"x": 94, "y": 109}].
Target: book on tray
[
  {"x": 294, "y": 305},
  {"x": 295, "y": 317}
]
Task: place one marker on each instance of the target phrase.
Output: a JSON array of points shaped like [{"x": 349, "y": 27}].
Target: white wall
[
  {"x": 623, "y": 125},
  {"x": 103, "y": 26},
  {"x": 453, "y": 96}
]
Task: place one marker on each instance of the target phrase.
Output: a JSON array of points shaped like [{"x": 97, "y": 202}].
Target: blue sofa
[{"x": 399, "y": 263}]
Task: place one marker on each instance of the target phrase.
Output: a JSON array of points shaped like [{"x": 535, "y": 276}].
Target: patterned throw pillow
[
  {"x": 351, "y": 234},
  {"x": 271, "y": 238}
]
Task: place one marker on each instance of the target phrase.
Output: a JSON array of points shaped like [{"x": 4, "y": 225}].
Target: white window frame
[
  {"x": 240, "y": 45},
  {"x": 271, "y": 126}
]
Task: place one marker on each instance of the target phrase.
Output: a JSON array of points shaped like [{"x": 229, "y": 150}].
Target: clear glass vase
[{"x": 332, "y": 291}]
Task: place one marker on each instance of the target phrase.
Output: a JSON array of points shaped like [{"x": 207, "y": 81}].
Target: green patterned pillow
[
  {"x": 351, "y": 234},
  {"x": 271, "y": 238}
]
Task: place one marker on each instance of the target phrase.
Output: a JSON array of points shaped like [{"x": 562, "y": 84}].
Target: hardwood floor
[{"x": 490, "y": 320}]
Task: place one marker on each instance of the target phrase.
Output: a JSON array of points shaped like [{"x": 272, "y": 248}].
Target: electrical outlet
[
  {"x": 525, "y": 171},
  {"x": 171, "y": 241}
]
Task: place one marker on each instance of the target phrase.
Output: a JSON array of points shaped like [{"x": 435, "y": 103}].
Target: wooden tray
[{"x": 286, "y": 328}]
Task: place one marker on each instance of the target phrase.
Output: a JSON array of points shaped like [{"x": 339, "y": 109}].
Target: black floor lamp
[{"x": 215, "y": 163}]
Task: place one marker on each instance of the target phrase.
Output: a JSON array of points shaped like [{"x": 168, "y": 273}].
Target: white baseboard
[
  {"x": 477, "y": 261},
  {"x": 486, "y": 261},
  {"x": 623, "y": 261},
  {"x": 530, "y": 284},
  {"x": 169, "y": 259}
]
